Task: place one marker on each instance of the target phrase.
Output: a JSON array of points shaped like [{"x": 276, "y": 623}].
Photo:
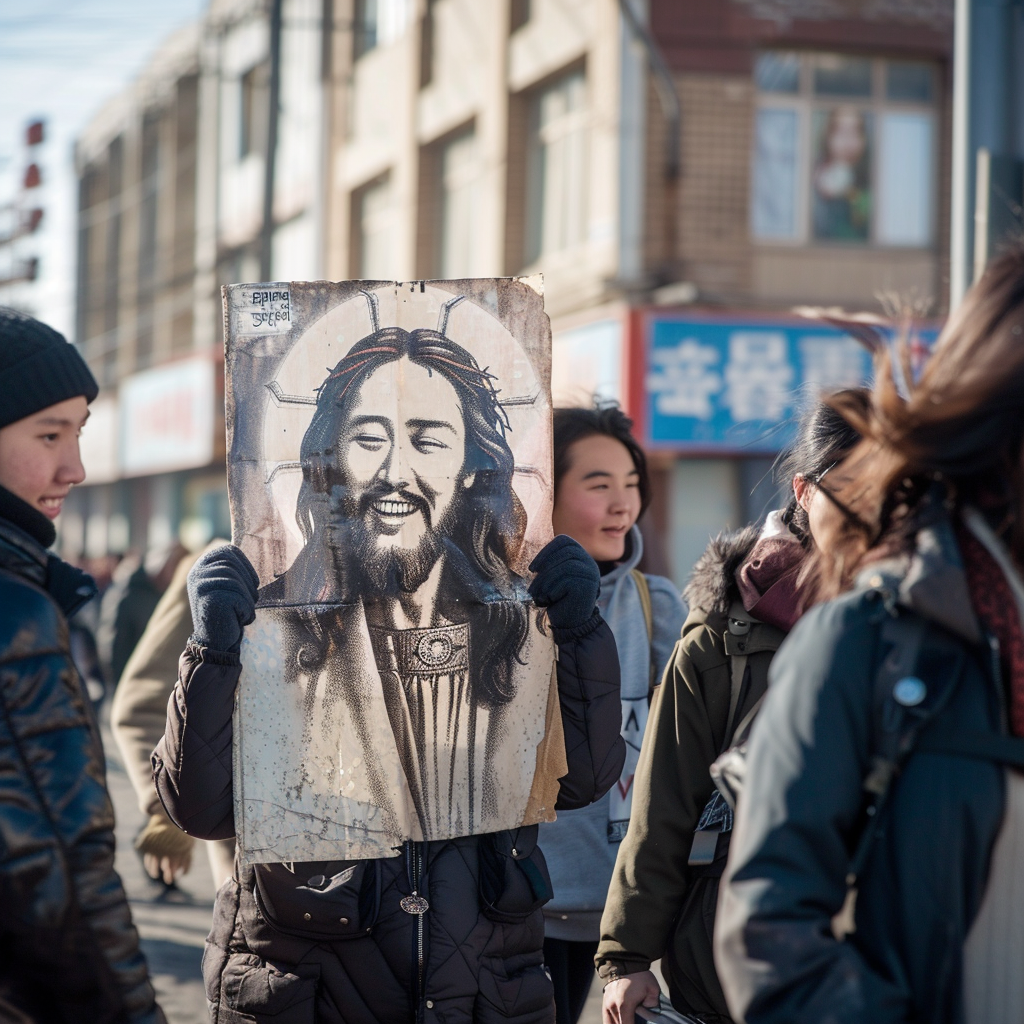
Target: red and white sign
[
  {"x": 98, "y": 443},
  {"x": 167, "y": 418}
]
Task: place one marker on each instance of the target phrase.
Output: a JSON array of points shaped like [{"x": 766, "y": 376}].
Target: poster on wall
[{"x": 389, "y": 471}]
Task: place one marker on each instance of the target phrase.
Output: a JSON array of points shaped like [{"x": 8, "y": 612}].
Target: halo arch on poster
[{"x": 291, "y": 395}]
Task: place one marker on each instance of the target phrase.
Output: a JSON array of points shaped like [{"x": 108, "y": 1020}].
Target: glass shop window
[{"x": 844, "y": 150}]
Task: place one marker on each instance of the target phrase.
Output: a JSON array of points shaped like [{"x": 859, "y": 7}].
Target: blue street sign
[{"x": 734, "y": 386}]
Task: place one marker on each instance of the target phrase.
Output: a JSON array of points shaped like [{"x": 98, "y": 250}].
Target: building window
[
  {"x": 374, "y": 223},
  {"x": 556, "y": 200},
  {"x": 253, "y": 112},
  {"x": 148, "y": 249},
  {"x": 459, "y": 187},
  {"x": 379, "y": 23},
  {"x": 844, "y": 150}
]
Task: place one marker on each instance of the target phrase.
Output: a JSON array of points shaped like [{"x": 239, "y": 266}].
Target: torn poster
[{"x": 389, "y": 471}]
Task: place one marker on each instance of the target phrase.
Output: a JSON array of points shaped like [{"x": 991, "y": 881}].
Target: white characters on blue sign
[
  {"x": 759, "y": 376},
  {"x": 685, "y": 379},
  {"x": 833, "y": 361}
]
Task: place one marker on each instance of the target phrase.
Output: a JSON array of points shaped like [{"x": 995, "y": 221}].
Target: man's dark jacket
[
  {"x": 294, "y": 943},
  {"x": 68, "y": 949},
  {"x": 802, "y": 812}
]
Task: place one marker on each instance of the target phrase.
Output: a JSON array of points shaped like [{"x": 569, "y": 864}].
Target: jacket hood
[
  {"x": 929, "y": 579},
  {"x": 635, "y": 544},
  {"x": 712, "y": 584}
]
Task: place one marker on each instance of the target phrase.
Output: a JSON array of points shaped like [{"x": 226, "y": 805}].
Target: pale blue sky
[{"x": 61, "y": 60}]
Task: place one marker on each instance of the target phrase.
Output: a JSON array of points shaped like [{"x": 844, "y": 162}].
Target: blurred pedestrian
[
  {"x": 601, "y": 490},
  {"x": 878, "y": 856},
  {"x": 744, "y": 596},
  {"x": 85, "y": 654},
  {"x": 137, "y": 718},
  {"x": 68, "y": 949},
  {"x": 128, "y": 604}
]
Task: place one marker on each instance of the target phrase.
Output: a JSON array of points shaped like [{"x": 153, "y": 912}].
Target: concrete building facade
[
  {"x": 708, "y": 165},
  {"x": 683, "y": 172},
  {"x": 172, "y": 184}
]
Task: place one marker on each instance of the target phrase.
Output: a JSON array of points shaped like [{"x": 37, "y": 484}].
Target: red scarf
[
  {"x": 767, "y": 581},
  {"x": 994, "y": 604}
]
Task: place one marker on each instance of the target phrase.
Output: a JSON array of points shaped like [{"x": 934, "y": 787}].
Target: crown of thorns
[{"x": 466, "y": 372}]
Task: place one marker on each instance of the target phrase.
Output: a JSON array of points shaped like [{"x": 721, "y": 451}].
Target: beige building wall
[
  {"x": 461, "y": 65},
  {"x": 136, "y": 165}
]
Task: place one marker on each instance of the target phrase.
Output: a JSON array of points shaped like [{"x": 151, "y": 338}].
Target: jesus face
[{"x": 401, "y": 453}]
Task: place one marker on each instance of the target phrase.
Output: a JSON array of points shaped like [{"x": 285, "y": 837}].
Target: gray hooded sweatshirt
[{"x": 580, "y": 847}]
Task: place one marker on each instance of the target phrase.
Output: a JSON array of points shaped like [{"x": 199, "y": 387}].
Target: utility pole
[
  {"x": 988, "y": 134},
  {"x": 273, "y": 105}
]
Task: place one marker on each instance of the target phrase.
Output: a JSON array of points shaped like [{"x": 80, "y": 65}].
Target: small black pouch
[
  {"x": 514, "y": 881},
  {"x": 328, "y": 901}
]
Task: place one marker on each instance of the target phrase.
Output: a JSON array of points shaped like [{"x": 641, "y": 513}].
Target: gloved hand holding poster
[{"x": 389, "y": 470}]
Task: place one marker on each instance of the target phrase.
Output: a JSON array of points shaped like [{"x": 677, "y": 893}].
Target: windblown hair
[
  {"x": 602, "y": 419},
  {"x": 824, "y": 438},
  {"x": 486, "y": 535},
  {"x": 960, "y": 429}
]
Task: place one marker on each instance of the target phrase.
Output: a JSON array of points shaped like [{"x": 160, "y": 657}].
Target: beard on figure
[
  {"x": 366, "y": 565},
  {"x": 424, "y": 671}
]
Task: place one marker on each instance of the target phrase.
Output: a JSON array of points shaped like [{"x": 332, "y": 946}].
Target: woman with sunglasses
[
  {"x": 744, "y": 596},
  {"x": 883, "y": 776}
]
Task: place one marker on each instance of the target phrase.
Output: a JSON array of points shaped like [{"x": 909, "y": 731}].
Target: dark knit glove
[
  {"x": 567, "y": 583},
  {"x": 222, "y": 588}
]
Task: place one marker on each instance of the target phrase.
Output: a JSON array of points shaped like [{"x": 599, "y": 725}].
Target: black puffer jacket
[
  {"x": 294, "y": 943},
  {"x": 68, "y": 950}
]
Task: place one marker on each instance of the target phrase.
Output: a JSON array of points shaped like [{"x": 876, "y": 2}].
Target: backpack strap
[
  {"x": 903, "y": 705},
  {"x": 643, "y": 590},
  {"x": 738, "y": 623},
  {"x": 742, "y": 730}
]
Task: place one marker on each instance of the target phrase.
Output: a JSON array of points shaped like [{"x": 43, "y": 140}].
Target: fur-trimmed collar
[{"x": 712, "y": 584}]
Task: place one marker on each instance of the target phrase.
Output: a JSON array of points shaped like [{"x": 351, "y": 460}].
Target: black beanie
[{"x": 38, "y": 368}]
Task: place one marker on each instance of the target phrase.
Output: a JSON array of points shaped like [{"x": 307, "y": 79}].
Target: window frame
[
  {"x": 253, "y": 115},
  {"x": 806, "y": 102},
  {"x": 383, "y": 183},
  {"x": 535, "y": 181},
  {"x": 469, "y": 187}
]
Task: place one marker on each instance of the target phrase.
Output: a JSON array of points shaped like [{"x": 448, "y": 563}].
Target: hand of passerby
[
  {"x": 222, "y": 592},
  {"x": 166, "y": 850},
  {"x": 567, "y": 582},
  {"x": 623, "y": 995}
]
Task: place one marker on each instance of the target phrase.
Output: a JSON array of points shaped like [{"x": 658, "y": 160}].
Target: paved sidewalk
[{"x": 173, "y": 927}]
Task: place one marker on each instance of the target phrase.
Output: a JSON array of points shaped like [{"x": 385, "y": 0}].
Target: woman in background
[
  {"x": 601, "y": 490},
  {"x": 744, "y": 594},
  {"x": 910, "y": 686}
]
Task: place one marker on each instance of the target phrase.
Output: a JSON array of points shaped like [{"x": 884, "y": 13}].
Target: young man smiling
[{"x": 68, "y": 949}]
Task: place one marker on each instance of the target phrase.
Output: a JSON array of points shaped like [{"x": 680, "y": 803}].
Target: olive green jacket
[{"x": 658, "y": 907}]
